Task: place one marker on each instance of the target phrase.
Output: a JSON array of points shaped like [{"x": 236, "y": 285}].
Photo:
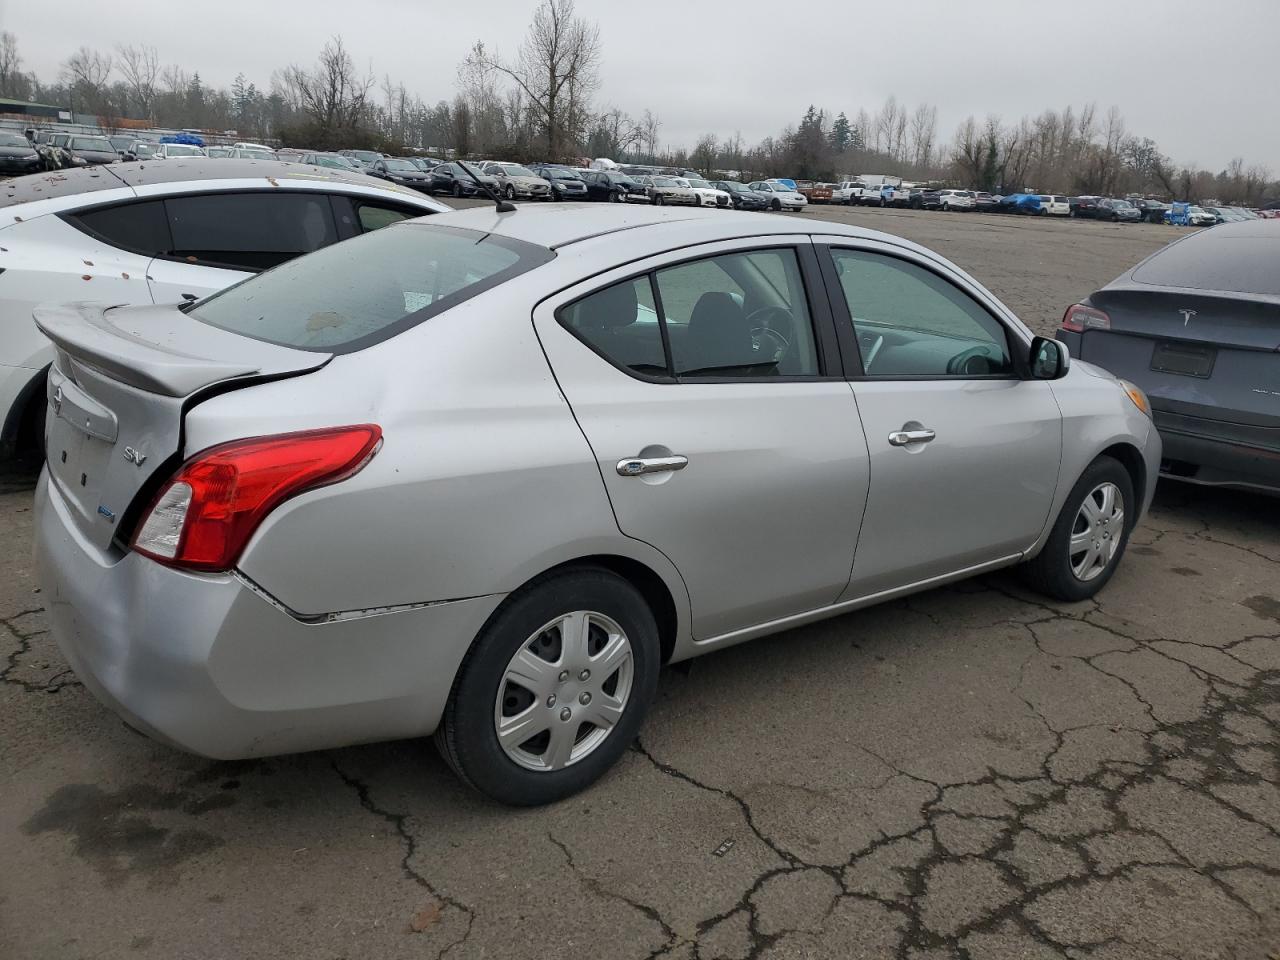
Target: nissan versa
[{"x": 481, "y": 474}]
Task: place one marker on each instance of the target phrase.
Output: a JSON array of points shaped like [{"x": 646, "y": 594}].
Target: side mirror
[{"x": 1050, "y": 359}]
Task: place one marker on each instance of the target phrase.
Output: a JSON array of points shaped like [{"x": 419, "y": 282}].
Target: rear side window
[
  {"x": 250, "y": 231},
  {"x": 137, "y": 227},
  {"x": 621, "y": 324},
  {"x": 365, "y": 290},
  {"x": 373, "y": 216}
]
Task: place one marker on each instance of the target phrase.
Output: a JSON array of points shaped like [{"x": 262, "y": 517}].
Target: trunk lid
[
  {"x": 121, "y": 380},
  {"x": 1245, "y": 322},
  {"x": 1210, "y": 356}
]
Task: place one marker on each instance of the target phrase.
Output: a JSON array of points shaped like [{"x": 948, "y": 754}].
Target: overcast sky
[{"x": 1198, "y": 77}]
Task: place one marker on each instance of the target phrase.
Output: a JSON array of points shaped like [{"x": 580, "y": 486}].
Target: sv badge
[{"x": 136, "y": 457}]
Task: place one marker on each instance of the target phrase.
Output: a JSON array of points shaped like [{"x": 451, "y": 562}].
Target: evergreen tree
[{"x": 841, "y": 133}]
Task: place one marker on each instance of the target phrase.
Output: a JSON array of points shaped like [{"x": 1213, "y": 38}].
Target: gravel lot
[{"x": 970, "y": 773}]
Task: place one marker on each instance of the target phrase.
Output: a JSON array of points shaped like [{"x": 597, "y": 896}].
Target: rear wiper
[{"x": 703, "y": 371}]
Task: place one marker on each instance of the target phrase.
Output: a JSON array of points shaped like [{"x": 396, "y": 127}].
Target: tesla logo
[
  {"x": 136, "y": 457},
  {"x": 1186, "y": 316}
]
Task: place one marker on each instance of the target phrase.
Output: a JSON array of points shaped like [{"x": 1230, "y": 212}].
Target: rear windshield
[
  {"x": 1244, "y": 264},
  {"x": 352, "y": 294},
  {"x": 92, "y": 143}
]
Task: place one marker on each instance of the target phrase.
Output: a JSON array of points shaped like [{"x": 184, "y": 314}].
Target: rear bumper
[
  {"x": 208, "y": 665},
  {"x": 1219, "y": 454}
]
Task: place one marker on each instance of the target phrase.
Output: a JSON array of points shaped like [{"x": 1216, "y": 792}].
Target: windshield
[
  {"x": 13, "y": 140},
  {"x": 349, "y": 295},
  {"x": 320, "y": 160},
  {"x": 368, "y": 156},
  {"x": 472, "y": 167},
  {"x": 700, "y": 184},
  {"x": 517, "y": 171},
  {"x": 92, "y": 143},
  {"x": 404, "y": 166},
  {"x": 663, "y": 182},
  {"x": 1124, "y": 204},
  {"x": 144, "y": 149},
  {"x": 220, "y": 152},
  {"x": 564, "y": 175},
  {"x": 182, "y": 150},
  {"x": 257, "y": 154},
  {"x": 731, "y": 186}
]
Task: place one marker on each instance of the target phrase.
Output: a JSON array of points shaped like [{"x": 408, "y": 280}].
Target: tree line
[{"x": 543, "y": 101}]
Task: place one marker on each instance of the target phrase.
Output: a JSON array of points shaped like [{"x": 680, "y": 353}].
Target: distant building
[{"x": 26, "y": 110}]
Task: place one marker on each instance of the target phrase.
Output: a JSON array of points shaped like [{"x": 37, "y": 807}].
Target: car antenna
[{"x": 503, "y": 205}]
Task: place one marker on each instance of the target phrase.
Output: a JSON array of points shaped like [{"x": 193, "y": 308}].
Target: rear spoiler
[{"x": 162, "y": 350}]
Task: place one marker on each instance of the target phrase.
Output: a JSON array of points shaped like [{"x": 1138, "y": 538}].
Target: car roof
[
  {"x": 555, "y": 226},
  {"x": 66, "y": 183}
]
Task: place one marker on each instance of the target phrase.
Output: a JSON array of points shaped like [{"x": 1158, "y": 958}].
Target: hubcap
[
  {"x": 564, "y": 691},
  {"x": 1097, "y": 532}
]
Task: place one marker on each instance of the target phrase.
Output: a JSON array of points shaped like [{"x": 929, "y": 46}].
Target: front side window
[
  {"x": 365, "y": 290},
  {"x": 909, "y": 322},
  {"x": 739, "y": 316},
  {"x": 249, "y": 231},
  {"x": 373, "y": 216}
]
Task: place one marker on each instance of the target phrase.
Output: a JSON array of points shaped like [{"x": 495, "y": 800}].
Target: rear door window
[{"x": 249, "y": 231}]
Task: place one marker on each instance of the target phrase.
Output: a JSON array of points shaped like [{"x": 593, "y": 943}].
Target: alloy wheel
[
  {"x": 1097, "y": 532},
  {"x": 563, "y": 691}
]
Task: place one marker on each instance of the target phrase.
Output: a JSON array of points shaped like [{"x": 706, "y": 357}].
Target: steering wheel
[
  {"x": 965, "y": 362},
  {"x": 760, "y": 328}
]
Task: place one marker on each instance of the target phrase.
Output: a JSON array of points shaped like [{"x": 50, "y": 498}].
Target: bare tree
[
  {"x": 332, "y": 96},
  {"x": 556, "y": 68},
  {"x": 140, "y": 67},
  {"x": 924, "y": 134},
  {"x": 649, "y": 126},
  {"x": 704, "y": 154},
  {"x": 86, "y": 72},
  {"x": 11, "y": 76},
  {"x": 969, "y": 151}
]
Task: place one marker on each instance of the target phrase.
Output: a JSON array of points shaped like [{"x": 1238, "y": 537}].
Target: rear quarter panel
[{"x": 484, "y": 479}]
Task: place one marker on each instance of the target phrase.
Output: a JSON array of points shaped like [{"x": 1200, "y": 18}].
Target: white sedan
[
  {"x": 708, "y": 196},
  {"x": 781, "y": 196},
  {"x": 142, "y": 233}
]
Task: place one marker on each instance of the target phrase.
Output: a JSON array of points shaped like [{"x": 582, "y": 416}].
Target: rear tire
[
  {"x": 457, "y": 191},
  {"x": 528, "y": 625},
  {"x": 1055, "y": 571}
]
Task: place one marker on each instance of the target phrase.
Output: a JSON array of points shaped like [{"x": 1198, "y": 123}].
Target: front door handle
[
  {"x": 900, "y": 438},
  {"x": 637, "y": 466}
]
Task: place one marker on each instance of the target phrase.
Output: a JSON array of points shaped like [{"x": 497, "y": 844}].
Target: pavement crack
[{"x": 410, "y": 843}]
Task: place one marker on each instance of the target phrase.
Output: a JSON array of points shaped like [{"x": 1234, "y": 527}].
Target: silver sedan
[{"x": 480, "y": 475}]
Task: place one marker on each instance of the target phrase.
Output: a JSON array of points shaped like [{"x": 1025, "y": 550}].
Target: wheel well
[
  {"x": 650, "y": 585},
  {"x": 1131, "y": 459},
  {"x": 23, "y": 428}
]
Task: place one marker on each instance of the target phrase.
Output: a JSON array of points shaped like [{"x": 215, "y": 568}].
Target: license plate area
[
  {"x": 1184, "y": 359},
  {"x": 77, "y": 462}
]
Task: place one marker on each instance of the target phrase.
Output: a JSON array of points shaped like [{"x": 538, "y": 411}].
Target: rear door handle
[
  {"x": 900, "y": 438},
  {"x": 637, "y": 466}
]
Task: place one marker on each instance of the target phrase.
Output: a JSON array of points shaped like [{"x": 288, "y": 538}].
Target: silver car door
[
  {"x": 751, "y": 478},
  {"x": 964, "y": 452}
]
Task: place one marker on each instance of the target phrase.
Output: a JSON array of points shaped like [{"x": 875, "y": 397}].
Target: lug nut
[
  {"x": 564, "y": 675},
  {"x": 551, "y": 700},
  {"x": 584, "y": 675},
  {"x": 566, "y": 713},
  {"x": 585, "y": 698}
]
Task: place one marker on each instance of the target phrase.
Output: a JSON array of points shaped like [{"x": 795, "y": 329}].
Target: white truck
[{"x": 846, "y": 190}]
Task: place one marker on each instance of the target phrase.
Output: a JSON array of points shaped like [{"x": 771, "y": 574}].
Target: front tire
[
  {"x": 510, "y": 192},
  {"x": 554, "y": 689},
  {"x": 1089, "y": 538},
  {"x": 776, "y": 206},
  {"x": 457, "y": 191}
]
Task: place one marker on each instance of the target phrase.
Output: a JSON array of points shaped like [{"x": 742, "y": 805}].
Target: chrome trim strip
[
  {"x": 847, "y": 606},
  {"x": 340, "y": 616}
]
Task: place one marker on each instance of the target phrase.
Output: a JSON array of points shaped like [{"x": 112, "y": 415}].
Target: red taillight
[
  {"x": 203, "y": 517},
  {"x": 1081, "y": 318}
]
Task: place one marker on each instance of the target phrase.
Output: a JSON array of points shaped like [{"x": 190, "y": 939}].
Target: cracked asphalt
[{"x": 968, "y": 773}]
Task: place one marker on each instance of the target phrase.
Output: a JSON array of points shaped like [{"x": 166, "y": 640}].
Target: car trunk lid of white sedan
[{"x": 118, "y": 388}]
